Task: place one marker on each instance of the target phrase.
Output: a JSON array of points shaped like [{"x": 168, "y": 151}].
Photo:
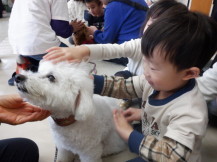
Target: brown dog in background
[{"x": 82, "y": 37}]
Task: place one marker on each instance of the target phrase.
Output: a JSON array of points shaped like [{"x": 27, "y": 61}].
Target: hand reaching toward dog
[
  {"x": 77, "y": 25},
  {"x": 58, "y": 54},
  {"x": 13, "y": 110},
  {"x": 91, "y": 30},
  {"x": 123, "y": 128},
  {"x": 132, "y": 114}
]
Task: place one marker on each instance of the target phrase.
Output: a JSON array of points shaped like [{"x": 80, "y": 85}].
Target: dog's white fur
[{"x": 93, "y": 134}]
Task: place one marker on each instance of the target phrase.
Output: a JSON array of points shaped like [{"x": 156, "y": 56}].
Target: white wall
[{"x": 183, "y": 1}]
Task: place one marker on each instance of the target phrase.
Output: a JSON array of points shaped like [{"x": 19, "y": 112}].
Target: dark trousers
[
  {"x": 1, "y": 8},
  {"x": 35, "y": 59},
  {"x": 18, "y": 150},
  {"x": 138, "y": 159},
  {"x": 122, "y": 61}
]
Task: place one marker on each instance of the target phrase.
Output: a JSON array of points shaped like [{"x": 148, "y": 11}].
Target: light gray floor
[{"x": 40, "y": 131}]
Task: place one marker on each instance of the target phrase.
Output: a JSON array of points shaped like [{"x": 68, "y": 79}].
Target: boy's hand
[
  {"x": 58, "y": 54},
  {"x": 132, "y": 114},
  {"x": 123, "y": 128}
]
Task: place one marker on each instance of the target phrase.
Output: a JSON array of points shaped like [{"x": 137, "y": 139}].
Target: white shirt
[
  {"x": 29, "y": 31},
  {"x": 76, "y": 10},
  {"x": 181, "y": 117},
  {"x": 208, "y": 83},
  {"x": 130, "y": 49}
]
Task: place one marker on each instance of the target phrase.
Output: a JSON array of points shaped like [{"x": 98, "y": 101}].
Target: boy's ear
[{"x": 191, "y": 73}]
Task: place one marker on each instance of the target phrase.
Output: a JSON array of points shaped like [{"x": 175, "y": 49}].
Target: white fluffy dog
[{"x": 82, "y": 123}]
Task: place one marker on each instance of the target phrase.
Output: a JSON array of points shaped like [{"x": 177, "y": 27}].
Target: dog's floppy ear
[{"x": 84, "y": 104}]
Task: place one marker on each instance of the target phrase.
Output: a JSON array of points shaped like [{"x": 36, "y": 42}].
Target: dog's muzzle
[{"x": 20, "y": 80}]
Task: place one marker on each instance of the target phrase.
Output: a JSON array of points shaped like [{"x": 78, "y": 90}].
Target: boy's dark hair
[
  {"x": 80, "y": 1},
  {"x": 98, "y": 2},
  {"x": 164, "y": 7},
  {"x": 186, "y": 40}
]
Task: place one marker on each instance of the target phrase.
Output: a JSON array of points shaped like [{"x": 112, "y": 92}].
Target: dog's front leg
[
  {"x": 65, "y": 155},
  {"x": 94, "y": 154}
]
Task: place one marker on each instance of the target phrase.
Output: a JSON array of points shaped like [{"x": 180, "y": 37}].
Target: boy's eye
[
  {"x": 152, "y": 68},
  {"x": 51, "y": 78}
]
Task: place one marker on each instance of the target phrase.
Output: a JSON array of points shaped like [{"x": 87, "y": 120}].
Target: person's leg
[
  {"x": 212, "y": 112},
  {"x": 125, "y": 74},
  {"x": 138, "y": 159},
  {"x": 122, "y": 61},
  {"x": 1, "y": 9},
  {"x": 30, "y": 62},
  {"x": 63, "y": 45},
  {"x": 18, "y": 150}
]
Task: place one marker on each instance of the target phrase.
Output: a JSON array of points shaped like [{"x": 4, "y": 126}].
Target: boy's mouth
[{"x": 150, "y": 82}]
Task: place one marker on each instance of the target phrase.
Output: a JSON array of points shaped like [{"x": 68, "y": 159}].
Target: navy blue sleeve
[
  {"x": 98, "y": 84},
  {"x": 61, "y": 28},
  {"x": 134, "y": 141}
]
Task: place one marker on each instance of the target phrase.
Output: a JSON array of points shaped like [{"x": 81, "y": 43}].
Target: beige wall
[{"x": 203, "y": 6}]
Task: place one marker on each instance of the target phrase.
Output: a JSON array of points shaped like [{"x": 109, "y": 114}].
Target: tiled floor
[{"x": 40, "y": 131}]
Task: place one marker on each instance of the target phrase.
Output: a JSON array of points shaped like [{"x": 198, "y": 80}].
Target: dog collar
[
  {"x": 65, "y": 121},
  {"x": 71, "y": 119}
]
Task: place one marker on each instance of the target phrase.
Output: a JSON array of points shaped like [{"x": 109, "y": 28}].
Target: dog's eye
[{"x": 51, "y": 78}]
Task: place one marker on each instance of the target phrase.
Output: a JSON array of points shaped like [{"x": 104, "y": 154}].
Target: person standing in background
[
  {"x": 34, "y": 26},
  {"x": 122, "y": 22}
]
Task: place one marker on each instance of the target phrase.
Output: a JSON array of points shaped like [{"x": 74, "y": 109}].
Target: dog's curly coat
[
  {"x": 67, "y": 90},
  {"x": 82, "y": 37}
]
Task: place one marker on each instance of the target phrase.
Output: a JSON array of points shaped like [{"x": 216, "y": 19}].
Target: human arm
[
  {"x": 208, "y": 83},
  {"x": 112, "y": 24},
  {"x": 58, "y": 54},
  {"x": 148, "y": 147},
  {"x": 118, "y": 87},
  {"x": 62, "y": 28},
  {"x": 13, "y": 110},
  {"x": 76, "y": 25},
  {"x": 130, "y": 49},
  {"x": 60, "y": 19},
  {"x": 132, "y": 114}
]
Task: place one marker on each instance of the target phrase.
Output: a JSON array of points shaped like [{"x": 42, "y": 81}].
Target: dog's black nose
[{"x": 19, "y": 78}]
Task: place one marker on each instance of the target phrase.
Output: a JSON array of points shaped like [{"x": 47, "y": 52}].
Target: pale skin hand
[
  {"x": 59, "y": 54},
  {"x": 77, "y": 25},
  {"x": 132, "y": 114},
  {"x": 13, "y": 110},
  {"x": 123, "y": 128},
  {"x": 149, "y": 2},
  {"x": 91, "y": 30}
]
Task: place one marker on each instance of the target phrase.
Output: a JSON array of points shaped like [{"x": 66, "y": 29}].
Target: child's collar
[{"x": 158, "y": 102}]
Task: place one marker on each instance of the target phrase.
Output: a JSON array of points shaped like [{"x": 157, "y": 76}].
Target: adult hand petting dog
[
  {"x": 13, "y": 110},
  {"x": 59, "y": 54}
]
